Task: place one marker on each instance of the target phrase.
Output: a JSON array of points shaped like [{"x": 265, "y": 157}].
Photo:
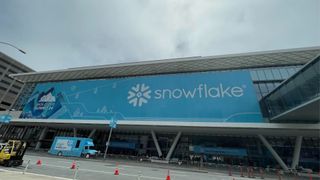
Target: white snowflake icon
[{"x": 139, "y": 94}]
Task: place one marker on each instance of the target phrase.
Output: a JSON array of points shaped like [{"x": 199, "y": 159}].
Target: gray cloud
[{"x": 60, "y": 34}]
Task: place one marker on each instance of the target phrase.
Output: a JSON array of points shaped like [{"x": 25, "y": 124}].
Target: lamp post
[
  {"x": 13, "y": 47},
  {"x": 112, "y": 125}
]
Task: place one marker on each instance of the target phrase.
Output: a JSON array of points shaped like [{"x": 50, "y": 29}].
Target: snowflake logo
[{"x": 139, "y": 94}]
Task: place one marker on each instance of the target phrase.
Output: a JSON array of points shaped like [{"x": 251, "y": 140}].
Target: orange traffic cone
[
  {"x": 39, "y": 162},
  {"x": 116, "y": 171},
  {"x": 168, "y": 176},
  {"x": 73, "y": 165},
  {"x": 310, "y": 175}
]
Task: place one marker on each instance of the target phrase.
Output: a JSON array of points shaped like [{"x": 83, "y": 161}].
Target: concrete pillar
[
  {"x": 296, "y": 153},
  {"x": 42, "y": 136},
  {"x": 5, "y": 130},
  {"x": 23, "y": 132},
  {"x": 19, "y": 93},
  {"x": 173, "y": 146},
  {"x": 155, "y": 140},
  {"x": 273, "y": 152},
  {"x": 5, "y": 134},
  {"x": 92, "y": 133},
  {"x": 74, "y": 132},
  {"x": 144, "y": 143}
]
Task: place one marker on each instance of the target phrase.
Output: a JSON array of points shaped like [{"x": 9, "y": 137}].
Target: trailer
[{"x": 73, "y": 146}]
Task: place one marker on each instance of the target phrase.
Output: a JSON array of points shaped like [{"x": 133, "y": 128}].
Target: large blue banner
[{"x": 197, "y": 97}]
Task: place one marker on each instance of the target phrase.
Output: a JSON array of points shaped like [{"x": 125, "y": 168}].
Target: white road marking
[
  {"x": 69, "y": 167},
  {"x": 50, "y": 165},
  {"x": 42, "y": 175},
  {"x": 107, "y": 172},
  {"x": 121, "y": 174}
]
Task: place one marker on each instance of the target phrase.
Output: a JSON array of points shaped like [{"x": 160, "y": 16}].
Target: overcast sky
[{"x": 59, "y": 34}]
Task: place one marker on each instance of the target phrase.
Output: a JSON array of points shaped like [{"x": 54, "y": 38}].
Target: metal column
[
  {"x": 92, "y": 133},
  {"x": 273, "y": 152},
  {"x": 23, "y": 132},
  {"x": 42, "y": 136},
  {"x": 296, "y": 153},
  {"x": 155, "y": 140},
  {"x": 173, "y": 146},
  {"x": 74, "y": 132}
]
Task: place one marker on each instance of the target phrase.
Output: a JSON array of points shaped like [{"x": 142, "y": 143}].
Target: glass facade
[
  {"x": 302, "y": 87},
  {"x": 255, "y": 152},
  {"x": 266, "y": 79}
]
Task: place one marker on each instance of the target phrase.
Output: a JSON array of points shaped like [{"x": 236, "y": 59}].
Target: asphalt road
[{"x": 102, "y": 170}]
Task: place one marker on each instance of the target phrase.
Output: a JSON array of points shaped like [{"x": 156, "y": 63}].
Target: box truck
[{"x": 73, "y": 146}]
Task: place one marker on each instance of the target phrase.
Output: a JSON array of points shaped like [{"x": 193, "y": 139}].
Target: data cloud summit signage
[{"x": 197, "y": 97}]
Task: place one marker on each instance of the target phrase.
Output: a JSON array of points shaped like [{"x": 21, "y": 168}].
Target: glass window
[
  {"x": 292, "y": 95},
  {"x": 78, "y": 144},
  {"x": 276, "y": 84},
  {"x": 270, "y": 87},
  {"x": 268, "y": 74},
  {"x": 284, "y": 73},
  {"x": 254, "y": 75},
  {"x": 261, "y": 75},
  {"x": 263, "y": 88},
  {"x": 259, "y": 96},
  {"x": 316, "y": 66},
  {"x": 297, "y": 69},
  {"x": 291, "y": 70},
  {"x": 276, "y": 74}
]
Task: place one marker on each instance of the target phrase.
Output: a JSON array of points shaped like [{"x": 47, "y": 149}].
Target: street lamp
[
  {"x": 13, "y": 47},
  {"x": 112, "y": 125}
]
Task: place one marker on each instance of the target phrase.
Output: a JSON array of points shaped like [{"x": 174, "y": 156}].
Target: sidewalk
[{"x": 14, "y": 175}]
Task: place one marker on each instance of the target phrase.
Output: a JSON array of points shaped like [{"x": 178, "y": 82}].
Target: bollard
[
  {"x": 252, "y": 173},
  {"x": 249, "y": 170},
  {"x": 279, "y": 175},
  {"x": 75, "y": 173},
  {"x": 261, "y": 173},
  {"x": 241, "y": 172},
  {"x": 230, "y": 173},
  {"x": 26, "y": 168}
]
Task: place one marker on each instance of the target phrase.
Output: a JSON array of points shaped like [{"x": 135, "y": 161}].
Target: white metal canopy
[
  {"x": 206, "y": 128},
  {"x": 179, "y": 65}
]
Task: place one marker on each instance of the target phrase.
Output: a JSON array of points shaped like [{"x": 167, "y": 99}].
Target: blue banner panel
[
  {"x": 123, "y": 145},
  {"x": 196, "y": 97},
  {"x": 5, "y": 118},
  {"x": 219, "y": 151}
]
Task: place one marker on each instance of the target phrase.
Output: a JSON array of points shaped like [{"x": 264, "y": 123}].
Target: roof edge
[
  {"x": 13, "y": 61},
  {"x": 183, "y": 59}
]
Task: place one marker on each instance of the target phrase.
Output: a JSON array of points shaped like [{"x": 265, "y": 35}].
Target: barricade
[{"x": 261, "y": 173}]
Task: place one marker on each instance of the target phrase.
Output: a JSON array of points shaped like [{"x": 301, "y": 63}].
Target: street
[
  {"x": 61, "y": 168},
  {"x": 87, "y": 169}
]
